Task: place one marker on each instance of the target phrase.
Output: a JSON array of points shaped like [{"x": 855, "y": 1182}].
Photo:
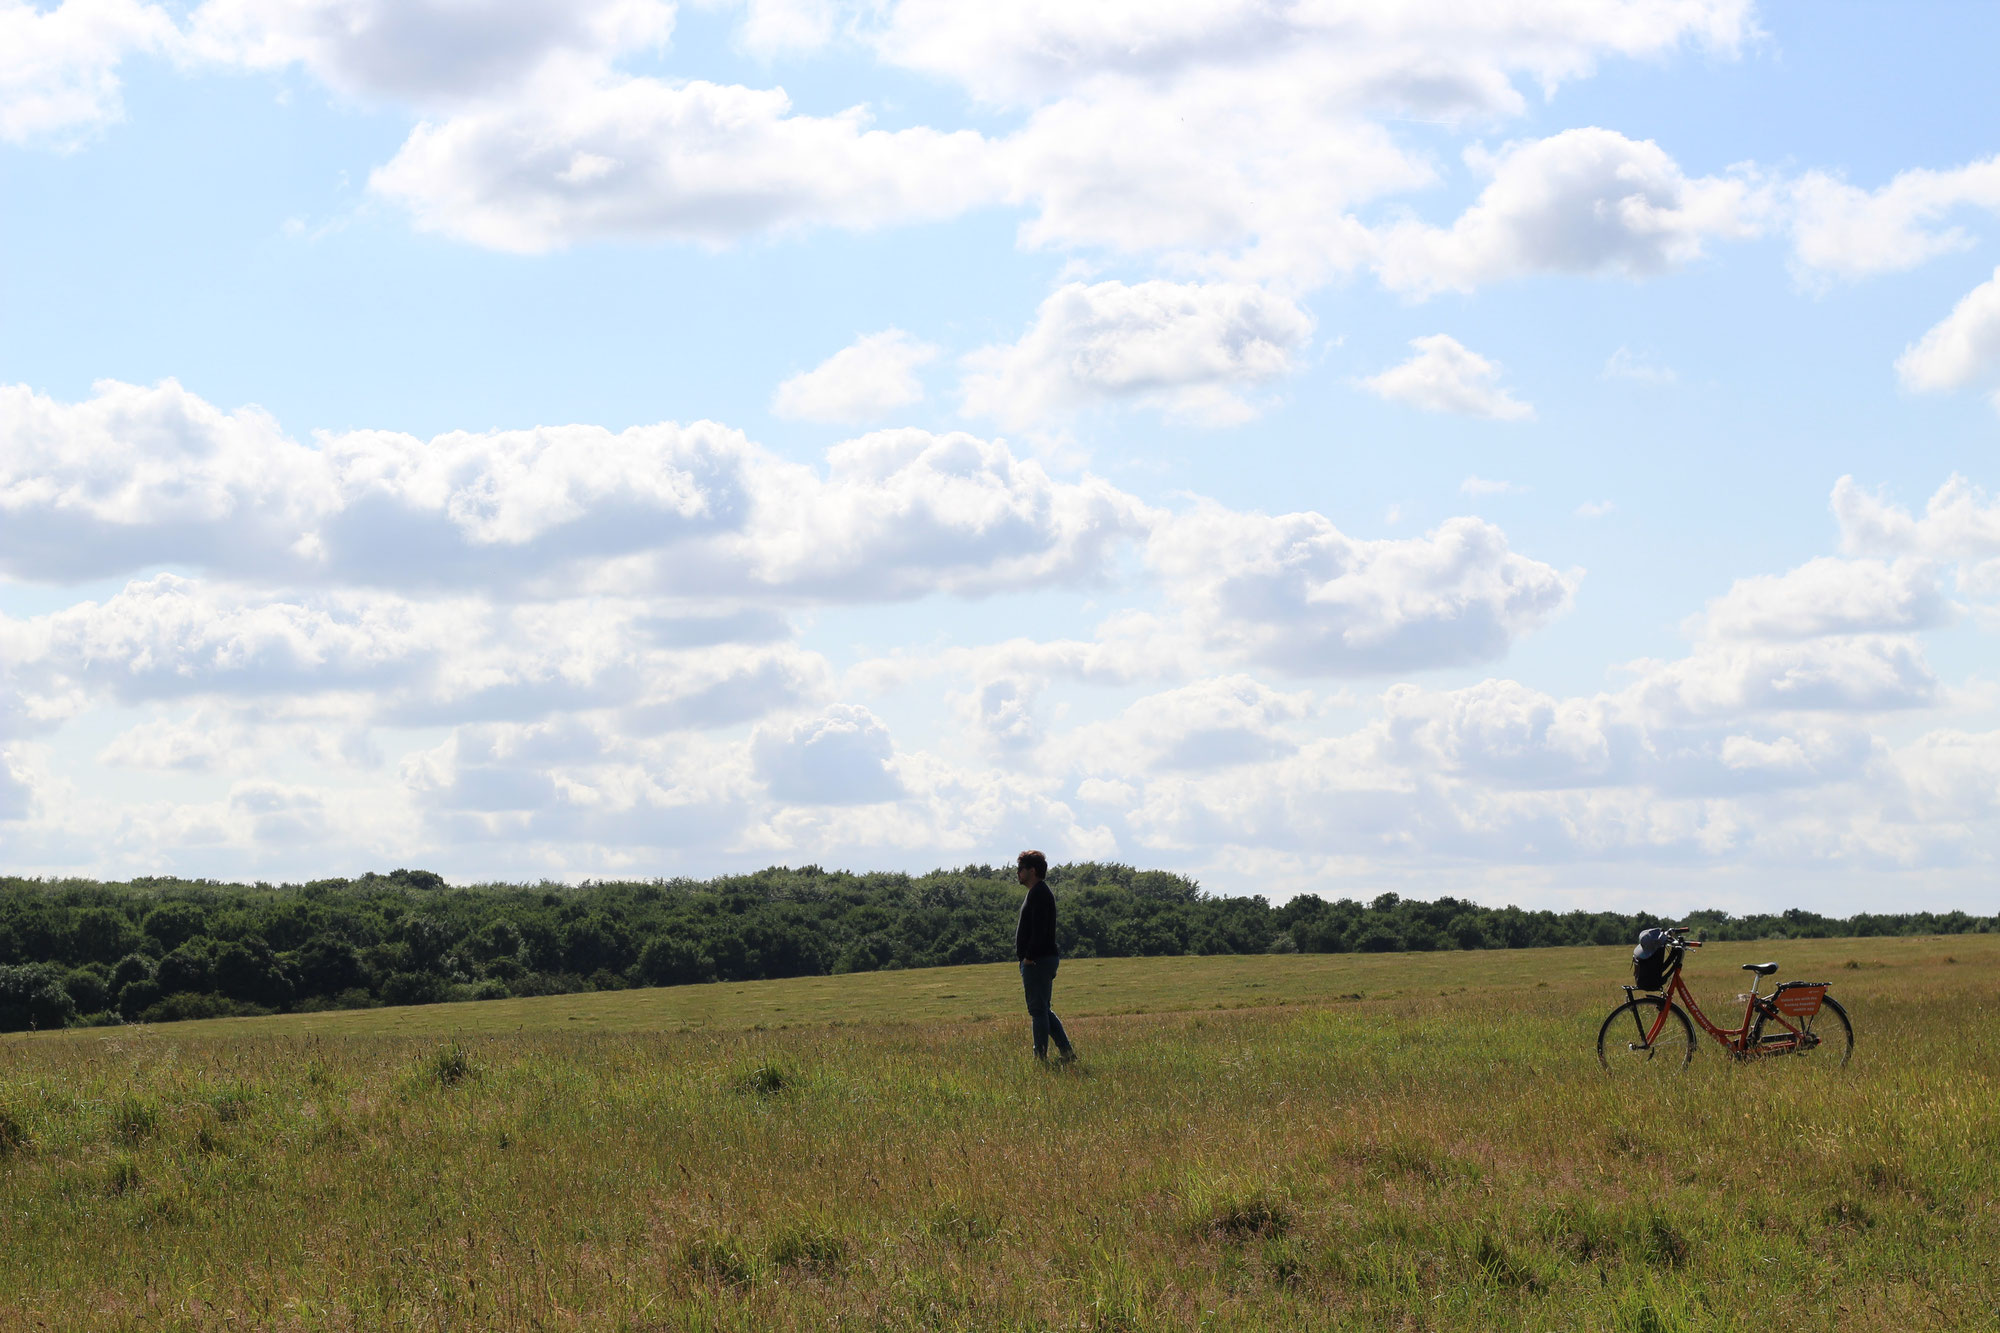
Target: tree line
[{"x": 85, "y": 952}]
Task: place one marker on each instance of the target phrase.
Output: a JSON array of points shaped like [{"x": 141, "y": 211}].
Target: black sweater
[{"x": 1035, "y": 936}]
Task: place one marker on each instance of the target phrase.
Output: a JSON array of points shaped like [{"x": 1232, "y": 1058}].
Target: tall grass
[{"x": 1429, "y": 1160}]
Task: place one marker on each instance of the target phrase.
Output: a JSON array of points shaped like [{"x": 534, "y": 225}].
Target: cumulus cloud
[
  {"x": 1842, "y": 230},
  {"x": 1859, "y": 673},
  {"x": 1582, "y": 201},
  {"x": 1219, "y": 172},
  {"x": 1130, "y": 646},
  {"x": 1185, "y": 348},
  {"x": 59, "y": 66},
  {"x": 869, "y": 378},
  {"x": 839, "y": 757},
  {"x": 1625, "y": 364},
  {"x": 16, "y": 796},
  {"x": 902, "y": 513},
  {"x": 1830, "y": 596},
  {"x": 1440, "y": 60},
  {"x": 1503, "y": 731},
  {"x": 1960, "y": 525},
  {"x": 1000, "y": 712},
  {"x": 147, "y": 476},
  {"x": 426, "y": 50},
  {"x": 595, "y": 157},
  {"x": 1233, "y": 139},
  {"x": 1962, "y": 349},
  {"x": 1960, "y": 522},
  {"x": 1295, "y": 593},
  {"x": 138, "y": 476},
  {"x": 1209, "y": 724},
  {"x": 1743, "y": 749},
  {"x": 1447, "y": 376},
  {"x": 783, "y": 27},
  {"x": 244, "y": 735},
  {"x": 1243, "y": 136},
  {"x": 382, "y": 659}
]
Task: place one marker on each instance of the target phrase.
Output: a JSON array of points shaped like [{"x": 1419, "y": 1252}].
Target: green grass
[{"x": 1246, "y": 1144}]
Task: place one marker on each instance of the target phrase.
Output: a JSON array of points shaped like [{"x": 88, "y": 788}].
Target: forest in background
[{"x": 84, "y": 952}]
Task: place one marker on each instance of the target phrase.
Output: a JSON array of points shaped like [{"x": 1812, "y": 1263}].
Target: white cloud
[
  {"x": 1231, "y": 139},
  {"x": 1209, "y": 724},
  {"x": 1960, "y": 523},
  {"x": 1000, "y": 712},
  {"x": 1434, "y": 59},
  {"x": 839, "y": 757},
  {"x": 1230, "y": 174},
  {"x": 594, "y": 157},
  {"x": 1595, "y": 508},
  {"x": 1295, "y": 593},
  {"x": 1186, "y": 349},
  {"x": 233, "y": 735},
  {"x": 869, "y": 378},
  {"x": 16, "y": 794},
  {"x": 375, "y": 658},
  {"x": 137, "y": 477},
  {"x": 1504, "y": 732},
  {"x": 1129, "y": 647},
  {"x": 1625, "y": 364},
  {"x": 1446, "y": 376},
  {"x": 1582, "y": 201},
  {"x": 1960, "y": 526},
  {"x": 1849, "y": 232},
  {"x": 1830, "y": 596},
  {"x": 1860, "y": 673},
  {"x": 59, "y": 66},
  {"x": 784, "y": 27},
  {"x": 905, "y": 512},
  {"x": 427, "y": 51},
  {"x": 1962, "y": 349},
  {"x": 1240, "y": 137}
]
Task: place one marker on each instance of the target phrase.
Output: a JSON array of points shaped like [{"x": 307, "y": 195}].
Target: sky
[{"x": 1539, "y": 452}]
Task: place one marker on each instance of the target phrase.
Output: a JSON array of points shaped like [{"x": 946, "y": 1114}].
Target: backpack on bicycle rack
[{"x": 1650, "y": 971}]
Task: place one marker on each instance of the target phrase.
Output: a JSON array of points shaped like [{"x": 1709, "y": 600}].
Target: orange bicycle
[{"x": 1651, "y": 1033}]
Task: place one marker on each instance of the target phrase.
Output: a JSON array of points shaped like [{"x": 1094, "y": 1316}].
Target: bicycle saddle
[{"x": 1761, "y": 969}]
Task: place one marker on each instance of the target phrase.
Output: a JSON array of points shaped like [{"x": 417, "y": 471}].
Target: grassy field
[{"x": 1383, "y": 1142}]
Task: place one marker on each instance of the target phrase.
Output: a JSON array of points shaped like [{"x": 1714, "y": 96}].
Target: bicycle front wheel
[{"x": 1624, "y": 1052}]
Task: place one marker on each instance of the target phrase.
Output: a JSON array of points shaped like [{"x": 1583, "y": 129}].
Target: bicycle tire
[
  {"x": 1670, "y": 1052},
  {"x": 1836, "y": 1038}
]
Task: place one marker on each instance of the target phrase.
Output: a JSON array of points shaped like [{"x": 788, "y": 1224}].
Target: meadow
[{"x": 1415, "y": 1141}]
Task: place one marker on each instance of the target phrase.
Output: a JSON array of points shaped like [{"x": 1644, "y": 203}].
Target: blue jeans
[{"x": 1038, "y": 981}]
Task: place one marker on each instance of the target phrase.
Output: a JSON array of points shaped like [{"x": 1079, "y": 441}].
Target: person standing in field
[{"x": 1035, "y": 946}]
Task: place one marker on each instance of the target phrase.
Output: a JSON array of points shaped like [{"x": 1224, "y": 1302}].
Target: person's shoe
[{"x": 1067, "y": 1056}]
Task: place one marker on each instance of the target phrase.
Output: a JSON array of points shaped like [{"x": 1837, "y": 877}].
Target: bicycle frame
[{"x": 1735, "y": 1040}]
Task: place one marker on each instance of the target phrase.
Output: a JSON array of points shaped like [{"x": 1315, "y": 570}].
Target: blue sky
[{"x": 1328, "y": 448}]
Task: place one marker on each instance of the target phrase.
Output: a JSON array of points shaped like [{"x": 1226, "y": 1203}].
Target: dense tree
[
  {"x": 160, "y": 949},
  {"x": 32, "y": 996}
]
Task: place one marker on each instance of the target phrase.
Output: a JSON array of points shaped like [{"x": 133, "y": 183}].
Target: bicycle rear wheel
[
  {"x": 1619, "y": 1042},
  {"x": 1832, "y": 1036}
]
